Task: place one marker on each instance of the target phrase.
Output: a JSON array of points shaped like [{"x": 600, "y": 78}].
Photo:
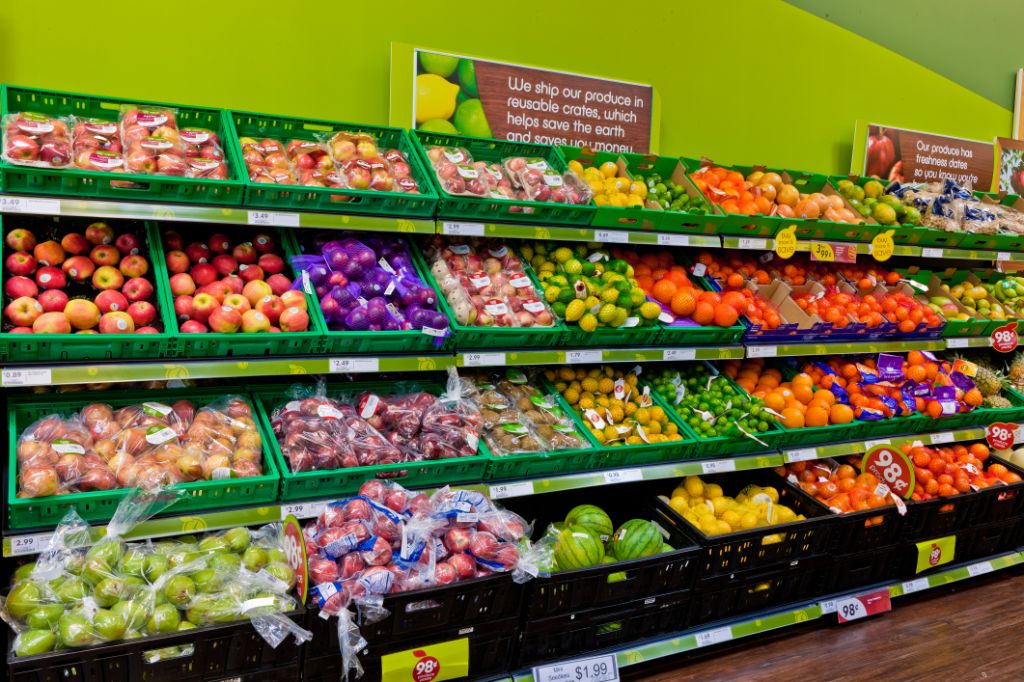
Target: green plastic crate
[
  {"x": 327, "y": 482},
  {"x": 674, "y": 221},
  {"x": 87, "y": 183},
  {"x": 212, "y": 344},
  {"x": 624, "y": 218},
  {"x": 995, "y": 242},
  {"x": 499, "y": 210},
  {"x": 821, "y": 228},
  {"x": 402, "y": 341},
  {"x": 302, "y": 198},
  {"x": 743, "y": 225},
  {"x": 467, "y": 337},
  {"x": 100, "y": 505},
  {"x": 64, "y": 347}
]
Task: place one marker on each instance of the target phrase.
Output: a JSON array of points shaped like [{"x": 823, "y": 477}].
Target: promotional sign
[
  {"x": 785, "y": 242},
  {"x": 932, "y": 553},
  {"x": 431, "y": 663},
  {"x": 1005, "y": 338},
  {"x": 891, "y": 467},
  {"x": 1010, "y": 171},
  {"x": 451, "y": 93},
  {"x": 294, "y": 546},
  {"x": 863, "y": 605},
  {"x": 1001, "y": 435},
  {"x": 913, "y": 156}
]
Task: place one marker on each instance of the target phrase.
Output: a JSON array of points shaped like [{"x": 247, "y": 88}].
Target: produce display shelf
[
  {"x": 860, "y": 447},
  {"x": 574, "y": 234},
  {"x": 760, "y": 623},
  {"x": 969, "y": 342},
  {"x": 863, "y": 249},
  {"x": 89, "y": 208},
  {"x": 590, "y": 356},
  {"x": 844, "y": 347}
]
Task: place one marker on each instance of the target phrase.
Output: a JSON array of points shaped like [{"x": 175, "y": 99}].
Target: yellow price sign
[
  {"x": 785, "y": 242},
  {"x": 430, "y": 663},
  {"x": 822, "y": 251},
  {"x": 882, "y": 246},
  {"x": 932, "y": 553}
]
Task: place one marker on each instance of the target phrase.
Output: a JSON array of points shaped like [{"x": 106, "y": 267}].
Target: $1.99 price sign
[
  {"x": 596, "y": 669},
  {"x": 892, "y": 468},
  {"x": 1000, "y": 435},
  {"x": 1004, "y": 339}
]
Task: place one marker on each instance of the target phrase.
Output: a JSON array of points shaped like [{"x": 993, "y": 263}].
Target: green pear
[
  {"x": 238, "y": 539},
  {"x": 23, "y": 598},
  {"x": 75, "y": 631},
  {"x": 44, "y": 616},
  {"x": 208, "y": 580},
  {"x": 133, "y": 562},
  {"x": 282, "y": 572},
  {"x": 224, "y": 562},
  {"x": 134, "y": 613},
  {"x": 71, "y": 590},
  {"x": 109, "y": 591},
  {"x": 276, "y": 555},
  {"x": 180, "y": 590},
  {"x": 109, "y": 550},
  {"x": 213, "y": 543},
  {"x": 255, "y": 558},
  {"x": 32, "y": 642},
  {"x": 154, "y": 567},
  {"x": 96, "y": 570},
  {"x": 109, "y": 626},
  {"x": 165, "y": 619},
  {"x": 23, "y": 572}
]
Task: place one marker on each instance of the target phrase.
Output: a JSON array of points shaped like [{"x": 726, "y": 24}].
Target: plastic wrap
[
  {"x": 266, "y": 162},
  {"x": 97, "y": 145},
  {"x": 152, "y": 142},
  {"x": 32, "y": 139},
  {"x": 204, "y": 157}
]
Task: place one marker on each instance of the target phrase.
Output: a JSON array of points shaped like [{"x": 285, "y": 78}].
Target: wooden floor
[{"x": 973, "y": 633}]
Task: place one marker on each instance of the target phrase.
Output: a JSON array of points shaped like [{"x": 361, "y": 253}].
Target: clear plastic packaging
[
  {"x": 32, "y": 139},
  {"x": 152, "y": 142},
  {"x": 97, "y": 145},
  {"x": 266, "y": 162},
  {"x": 204, "y": 155}
]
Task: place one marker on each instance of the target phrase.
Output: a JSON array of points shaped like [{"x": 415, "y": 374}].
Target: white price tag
[
  {"x": 580, "y": 357},
  {"x": 980, "y": 568},
  {"x": 912, "y": 586},
  {"x": 612, "y": 236},
  {"x": 463, "y": 229},
  {"x": 828, "y": 606},
  {"x": 671, "y": 354},
  {"x": 673, "y": 240},
  {"x": 10, "y": 204},
  {"x": 502, "y": 490},
  {"x": 595, "y": 669},
  {"x": 623, "y": 475},
  {"x": 851, "y": 608},
  {"x": 801, "y": 454},
  {"x": 943, "y": 437},
  {"x": 273, "y": 218},
  {"x": 931, "y": 253},
  {"x": 718, "y": 466},
  {"x": 868, "y": 444},
  {"x": 303, "y": 510},
  {"x": 29, "y": 544},
  {"x": 354, "y": 365},
  {"x": 26, "y": 377},
  {"x": 762, "y": 351},
  {"x": 958, "y": 343},
  {"x": 1002, "y": 255},
  {"x": 748, "y": 243},
  {"x": 716, "y": 636},
  {"x": 483, "y": 359}
]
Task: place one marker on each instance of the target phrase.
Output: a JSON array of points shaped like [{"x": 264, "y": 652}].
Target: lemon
[
  {"x": 610, "y": 433},
  {"x": 606, "y": 385},
  {"x": 748, "y": 520},
  {"x": 694, "y": 486},
  {"x": 573, "y": 266},
  {"x": 576, "y": 167},
  {"x": 562, "y": 254},
  {"x": 609, "y": 296},
  {"x": 620, "y": 317},
  {"x": 587, "y": 402},
  {"x": 435, "y": 97},
  {"x": 551, "y": 294},
  {"x": 609, "y": 169},
  {"x": 634, "y": 200},
  {"x": 575, "y": 310},
  {"x": 571, "y": 395},
  {"x": 599, "y": 435},
  {"x": 657, "y": 414},
  {"x": 589, "y": 384},
  {"x": 712, "y": 490},
  {"x": 638, "y": 189},
  {"x": 650, "y": 310},
  {"x": 588, "y": 322}
]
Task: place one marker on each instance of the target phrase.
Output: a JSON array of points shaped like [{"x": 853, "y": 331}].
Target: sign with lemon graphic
[{"x": 456, "y": 94}]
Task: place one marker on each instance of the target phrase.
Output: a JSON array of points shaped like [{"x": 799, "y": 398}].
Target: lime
[
  {"x": 912, "y": 216},
  {"x": 439, "y": 64},
  {"x": 438, "y": 125},
  {"x": 562, "y": 254},
  {"x": 884, "y": 214},
  {"x": 470, "y": 119},
  {"x": 873, "y": 189},
  {"x": 435, "y": 97},
  {"x": 467, "y": 76}
]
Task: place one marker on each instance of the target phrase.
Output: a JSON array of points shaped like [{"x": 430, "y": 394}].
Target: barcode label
[{"x": 273, "y": 218}]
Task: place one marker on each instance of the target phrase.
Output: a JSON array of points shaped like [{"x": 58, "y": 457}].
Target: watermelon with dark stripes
[
  {"x": 592, "y": 517},
  {"x": 578, "y": 547},
  {"x": 634, "y": 539}
]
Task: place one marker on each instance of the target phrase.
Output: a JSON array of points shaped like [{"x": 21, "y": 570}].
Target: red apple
[
  {"x": 134, "y": 266},
  {"x": 51, "y": 323},
  {"x": 216, "y": 289},
  {"x": 74, "y": 243},
  {"x": 203, "y": 305},
  {"x": 234, "y": 284},
  {"x": 177, "y": 262},
  {"x": 182, "y": 284},
  {"x": 253, "y": 321},
  {"x": 128, "y": 243},
  {"x": 82, "y": 313},
  {"x": 271, "y": 263},
  {"x": 183, "y": 307},
  {"x": 294, "y": 319},
  {"x": 22, "y": 148},
  {"x": 99, "y": 233},
  {"x": 107, "y": 277},
  {"x": 219, "y": 243},
  {"x": 263, "y": 243},
  {"x": 271, "y": 306},
  {"x": 245, "y": 253},
  {"x": 249, "y": 273},
  {"x": 279, "y": 284},
  {"x": 225, "y": 320},
  {"x": 21, "y": 239},
  {"x": 20, "y": 330},
  {"x": 16, "y": 287},
  {"x": 51, "y": 278},
  {"x": 193, "y": 327},
  {"x": 198, "y": 252},
  {"x": 142, "y": 313},
  {"x": 111, "y": 301},
  {"x": 293, "y": 298},
  {"x": 23, "y": 311},
  {"x": 237, "y": 301},
  {"x": 137, "y": 289},
  {"x": 20, "y": 263},
  {"x": 79, "y": 268},
  {"x": 117, "y": 323},
  {"x": 203, "y": 274},
  {"x": 53, "y": 301},
  {"x": 105, "y": 255},
  {"x": 173, "y": 241},
  {"x": 49, "y": 253},
  {"x": 224, "y": 264},
  {"x": 147, "y": 330}
]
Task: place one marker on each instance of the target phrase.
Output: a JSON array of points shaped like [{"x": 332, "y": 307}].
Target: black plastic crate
[
  {"x": 980, "y": 542},
  {"x": 490, "y": 649},
  {"x": 566, "y": 592},
  {"x": 767, "y": 546},
  {"x": 219, "y": 651},
  {"x": 857, "y": 569},
  {"x": 1000, "y": 502},
  {"x": 757, "y": 589},
  {"x": 584, "y": 631}
]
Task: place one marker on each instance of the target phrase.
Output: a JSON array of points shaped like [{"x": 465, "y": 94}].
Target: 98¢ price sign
[
  {"x": 892, "y": 468},
  {"x": 596, "y": 669}
]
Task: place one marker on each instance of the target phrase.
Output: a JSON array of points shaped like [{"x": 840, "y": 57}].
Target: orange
[
  {"x": 915, "y": 373},
  {"x": 846, "y": 471},
  {"x": 664, "y": 290},
  {"x": 973, "y": 397},
  {"x": 774, "y": 401},
  {"x": 792, "y": 418},
  {"x": 735, "y": 280},
  {"x": 803, "y": 393},
  {"x": 915, "y": 357},
  {"x": 683, "y": 303},
  {"x": 840, "y": 414},
  {"x": 816, "y": 416},
  {"x": 725, "y": 315},
  {"x": 802, "y": 378},
  {"x": 704, "y": 314},
  {"x": 933, "y": 409},
  {"x": 825, "y": 396},
  {"x": 979, "y": 450}
]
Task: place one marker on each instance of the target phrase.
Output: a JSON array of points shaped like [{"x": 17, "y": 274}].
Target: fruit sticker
[
  {"x": 892, "y": 468},
  {"x": 431, "y": 663}
]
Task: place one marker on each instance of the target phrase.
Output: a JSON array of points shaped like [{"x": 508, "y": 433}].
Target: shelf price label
[
  {"x": 672, "y": 354},
  {"x": 718, "y": 466},
  {"x": 463, "y": 229},
  {"x": 882, "y": 246},
  {"x": 22, "y": 545},
  {"x": 354, "y": 365},
  {"x": 762, "y": 351},
  {"x": 863, "y": 605},
  {"x": 1001, "y": 435},
  {"x": 892, "y": 468},
  {"x": 431, "y": 663},
  {"x": 711, "y": 637},
  {"x": 918, "y": 585},
  {"x": 302, "y": 510},
  {"x": 980, "y": 568},
  {"x": 611, "y": 236},
  {"x": 833, "y": 253},
  {"x": 500, "y": 491},
  {"x": 483, "y": 359},
  {"x": 932, "y": 253},
  {"x": 785, "y": 242},
  {"x": 595, "y": 669},
  {"x": 801, "y": 454},
  {"x": 747, "y": 243},
  {"x": 623, "y": 475},
  {"x": 1004, "y": 339},
  {"x": 583, "y": 357},
  {"x": 10, "y": 204},
  {"x": 273, "y": 218},
  {"x": 26, "y": 377},
  {"x": 673, "y": 240}
]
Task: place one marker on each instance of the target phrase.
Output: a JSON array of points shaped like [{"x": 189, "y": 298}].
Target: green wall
[{"x": 756, "y": 81}]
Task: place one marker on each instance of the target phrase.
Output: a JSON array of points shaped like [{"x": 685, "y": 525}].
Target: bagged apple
[
  {"x": 152, "y": 142},
  {"x": 266, "y": 162},
  {"x": 401, "y": 171},
  {"x": 308, "y": 155},
  {"x": 57, "y": 455},
  {"x": 32, "y": 139},
  {"x": 97, "y": 145},
  {"x": 204, "y": 156}
]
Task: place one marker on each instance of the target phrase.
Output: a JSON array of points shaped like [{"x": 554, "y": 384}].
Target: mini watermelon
[
  {"x": 665, "y": 547},
  {"x": 578, "y": 547},
  {"x": 634, "y": 539},
  {"x": 614, "y": 577},
  {"x": 589, "y": 516}
]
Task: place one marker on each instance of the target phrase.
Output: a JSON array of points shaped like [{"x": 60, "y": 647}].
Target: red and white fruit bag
[
  {"x": 32, "y": 139},
  {"x": 204, "y": 157}
]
